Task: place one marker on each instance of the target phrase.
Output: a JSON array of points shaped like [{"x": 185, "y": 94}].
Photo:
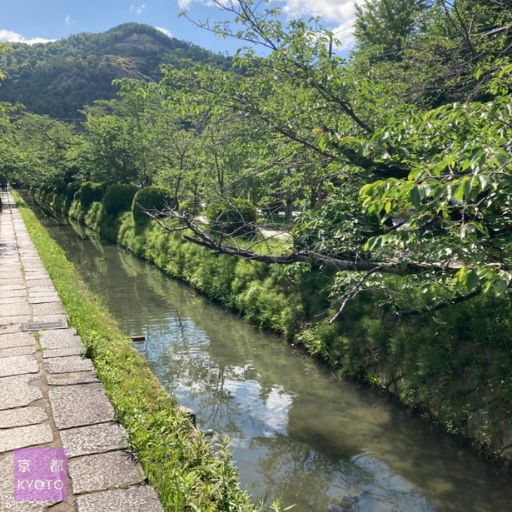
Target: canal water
[{"x": 294, "y": 431}]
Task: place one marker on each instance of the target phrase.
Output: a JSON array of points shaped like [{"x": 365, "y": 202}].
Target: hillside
[{"x": 61, "y": 77}]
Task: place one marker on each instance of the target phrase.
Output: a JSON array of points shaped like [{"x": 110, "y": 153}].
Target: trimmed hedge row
[
  {"x": 89, "y": 193},
  {"x": 150, "y": 199},
  {"x": 118, "y": 199},
  {"x": 236, "y": 219}
]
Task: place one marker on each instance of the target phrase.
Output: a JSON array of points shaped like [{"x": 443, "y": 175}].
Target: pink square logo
[{"x": 40, "y": 474}]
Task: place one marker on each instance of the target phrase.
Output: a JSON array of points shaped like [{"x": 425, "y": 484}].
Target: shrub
[
  {"x": 71, "y": 190},
  {"x": 90, "y": 192},
  {"x": 118, "y": 198},
  {"x": 60, "y": 188},
  {"x": 151, "y": 199},
  {"x": 237, "y": 218},
  {"x": 189, "y": 206}
]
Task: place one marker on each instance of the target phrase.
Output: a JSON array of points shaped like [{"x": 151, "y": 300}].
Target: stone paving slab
[
  {"x": 54, "y": 308},
  {"x": 59, "y": 338},
  {"x": 23, "y": 437},
  {"x": 15, "y": 309},
  {"x": 13, "y": 300},
  {"x": 6, "y": 320},
  {"x": 40, "y": 283},
  {"x": 4, "y": 276},
  {"x": 31, "y": 276},
  {"x": 10, "y": 329},
  {"x": 16, "y": 339},
  {"x": 7, "y": 503},
  {"x": 42, "y": 293},
  {"x": 80, "y": 405},
  {"x": 22, "y": 416},
  {"x": 6, "y": 288},
  {"x": 62, "y": 319},
  {"x": 16, "y": 392},
  {"x": 104, "y": 471},
  {"x": 62, "y": 352},
  {"x": 44, "y": 299},
  {"x": 15, "y": 275},
  {"x": 94, "y": 439},
  {"x": 66, "y": 364},
  {"x": 41, "y": 325},
  {"x": 18, "y": 351},
  {"x": 11, "y": 281},
  {"x": 20, "y": 292},
  {"x": 17, "y": 365},
  {"x": 135, "y": 499},
  {"x": 67, "y": 379}
]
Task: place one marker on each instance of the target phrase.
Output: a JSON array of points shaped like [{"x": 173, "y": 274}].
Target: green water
[{"x": 294, "y": 431}]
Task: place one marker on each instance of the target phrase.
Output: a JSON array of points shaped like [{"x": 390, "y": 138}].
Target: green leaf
[
  {"x": 503, "y": 157},
  {"x": 472, "y": 279},
  {"x": 484, "y": 180},
  {"x": 500, "y": 287},
  {"x": 415, "y": 197},
  {"x": 458, "y": 195}
]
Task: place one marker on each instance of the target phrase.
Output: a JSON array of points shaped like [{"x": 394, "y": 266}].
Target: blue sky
[{"x": 41, "y": 20}]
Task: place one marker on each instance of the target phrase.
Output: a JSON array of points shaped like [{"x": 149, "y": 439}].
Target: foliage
[
  {"x": 61, "y": 77},
  {"x": 118, "y": 198},
  {"x": 236, "y": 218},
  {"x": 89, "y": 192},
  {"x": 384, "y": 25},
  {"x": 71, "y": 190},
  {"x": 152, "y": 200}
]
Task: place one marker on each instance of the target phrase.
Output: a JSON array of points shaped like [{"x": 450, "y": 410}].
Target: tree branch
[
  {"x": 443, "y": 305},
  {"x": 204, "y": 239}
]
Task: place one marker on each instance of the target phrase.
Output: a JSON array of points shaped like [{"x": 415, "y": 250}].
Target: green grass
[{"x": 178, "y": 462}]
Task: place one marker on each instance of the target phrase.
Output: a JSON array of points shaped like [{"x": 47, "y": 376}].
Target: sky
[{"x": 34, "y": 21}]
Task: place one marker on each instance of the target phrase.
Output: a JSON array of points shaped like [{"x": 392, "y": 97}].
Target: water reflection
[{"x": 293, "y": 430}]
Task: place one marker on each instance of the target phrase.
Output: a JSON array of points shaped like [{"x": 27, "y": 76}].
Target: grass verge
[{"x": 178, "y": 462}]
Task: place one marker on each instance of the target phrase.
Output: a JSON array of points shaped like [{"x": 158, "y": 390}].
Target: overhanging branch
[{"x": 204, "y": 239}]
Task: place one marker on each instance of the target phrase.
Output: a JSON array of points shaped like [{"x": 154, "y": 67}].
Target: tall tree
[{"x": 385, "y": 25}]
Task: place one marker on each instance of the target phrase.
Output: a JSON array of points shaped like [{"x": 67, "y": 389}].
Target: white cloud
[
  {"x": 138, "y": 9},
  {"x": 166, "y": 31},
  {"x": 69, "y": 20},
  {"x": 14, "y": 37},
  {"x": 341, "y": 12}
]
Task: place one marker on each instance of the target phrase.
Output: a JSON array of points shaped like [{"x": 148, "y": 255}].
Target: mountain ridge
[{"x": 60, "y": 77}]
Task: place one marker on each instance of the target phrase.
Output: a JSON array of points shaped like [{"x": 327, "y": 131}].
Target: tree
[
  {"x": 383, "y": 26},
  {"x": 303, "y": 94},
  {"x": 38, "y": 149}
]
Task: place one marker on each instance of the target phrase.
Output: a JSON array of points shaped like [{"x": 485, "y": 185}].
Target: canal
[{"x": 294, "y": 431}]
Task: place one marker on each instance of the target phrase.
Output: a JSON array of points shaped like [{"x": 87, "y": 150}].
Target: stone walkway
[{"x": 49, "y": 394}]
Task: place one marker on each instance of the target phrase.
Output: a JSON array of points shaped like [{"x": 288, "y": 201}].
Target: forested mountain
[{"x": 60, "y": 78}]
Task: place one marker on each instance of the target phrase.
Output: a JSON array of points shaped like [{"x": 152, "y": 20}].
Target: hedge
[
  {"x": 118, "y": 198},
  {"x": 236, "y": 218},
  {"x": 153, "y": 199}
]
